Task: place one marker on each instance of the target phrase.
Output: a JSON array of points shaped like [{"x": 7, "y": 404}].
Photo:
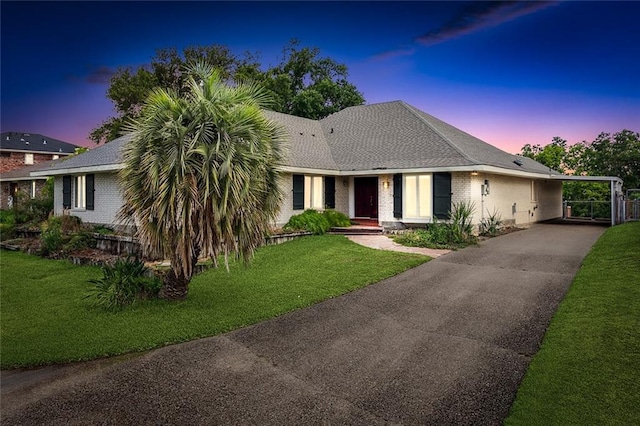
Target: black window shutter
[
  {"x": 90, "y": 185},
  {"x": 66, "y": 192},
  {"x": 330, "y": 192},
  {"x": 441, "y": 195},
  {"x": 298, "y": 192},
  {"x": 397, "y": 195}
]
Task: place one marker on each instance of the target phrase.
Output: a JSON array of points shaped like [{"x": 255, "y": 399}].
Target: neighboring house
[
  {"x": 390, "y": 162},
  {"x": 24, "y": 149},
  {"x": 20, "y": 154},
  {"x": 17, "y": 185}
]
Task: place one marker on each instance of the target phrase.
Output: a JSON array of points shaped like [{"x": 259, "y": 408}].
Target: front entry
[{"x": 366, "y": 196}]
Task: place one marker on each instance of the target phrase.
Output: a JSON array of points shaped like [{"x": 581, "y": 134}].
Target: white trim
[
  {"x": 16, "y": 179},
  {"x": 79, "y": 170}
]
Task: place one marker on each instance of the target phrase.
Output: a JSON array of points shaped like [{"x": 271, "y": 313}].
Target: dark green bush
[
  {"x": 310, "y": 220},
  {"x": 123, "y": 283},
  {"x": 336, "y": 218},
  {"x": 7, "y": 217}
]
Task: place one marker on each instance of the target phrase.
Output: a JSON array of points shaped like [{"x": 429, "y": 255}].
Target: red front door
[{"x": 366, "y": 196}]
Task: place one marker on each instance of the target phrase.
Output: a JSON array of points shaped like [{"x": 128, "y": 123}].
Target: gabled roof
[
  {"x": 25, "y": 142},
  {"x": 104, "y": 157},
  {"x": 365, "y": 138}
]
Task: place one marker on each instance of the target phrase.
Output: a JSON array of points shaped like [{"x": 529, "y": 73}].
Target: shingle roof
[
  {"x": 395, "y": 135},
  {"x": 307, "y": 143},
  {"x": 103, "y": 155},
  {"x": 389, "y": 135},
  {"x": 16, "y": 141},
  {"x": 24, "y": 172}
]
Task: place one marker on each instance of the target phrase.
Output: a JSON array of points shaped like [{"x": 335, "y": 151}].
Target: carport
[{"x": 615, "y": 184}]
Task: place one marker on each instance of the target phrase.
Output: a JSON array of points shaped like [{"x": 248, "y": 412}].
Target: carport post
[{"x": 613, "y": 204}]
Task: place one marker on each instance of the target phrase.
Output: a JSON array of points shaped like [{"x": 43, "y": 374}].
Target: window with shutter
[
  {"x": 66, "y": 192},
  {"x": 330, "y": 192},
  {"x": 298, "y": 192},
  {"x": 90, "y": 184},
  {"x": 397, "y": 195}
]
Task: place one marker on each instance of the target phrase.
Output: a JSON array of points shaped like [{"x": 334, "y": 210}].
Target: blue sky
[{"x": 509, "y": 73}]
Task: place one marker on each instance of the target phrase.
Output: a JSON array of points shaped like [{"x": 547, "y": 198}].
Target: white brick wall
[
  {"x": 505, "y": 191},
  {"x": 286, "y": 209},
  {"x": 107, "y": 200},
  {"x": 385, "y": 201}
]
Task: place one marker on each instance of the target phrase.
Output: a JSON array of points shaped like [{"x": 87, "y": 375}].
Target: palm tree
[{"x": 201, "y": 174}]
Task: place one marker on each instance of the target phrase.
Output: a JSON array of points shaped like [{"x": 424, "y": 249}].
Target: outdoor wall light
[
  {"x": 385, "y": 184},
  {"x": 345, "y": 182},
  {"x": 474, "y": 173}
]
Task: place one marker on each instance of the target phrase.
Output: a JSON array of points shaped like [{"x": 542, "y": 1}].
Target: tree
[
  {"x": 128, "y": 89},
  {"x": 608, "y": 155},
  {"x": 307, "y": 85},
  {"x": 201, "y": 173},
  {"x": 303, "y": 84},
  {"x": 551, "y": 155},
  {"x": 615, "y": 155}
]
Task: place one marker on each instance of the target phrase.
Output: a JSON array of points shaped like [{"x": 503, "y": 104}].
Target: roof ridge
[{"x": 411, "y": 109}]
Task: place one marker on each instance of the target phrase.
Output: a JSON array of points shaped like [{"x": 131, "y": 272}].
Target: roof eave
[{"x": 80, "y": 170}]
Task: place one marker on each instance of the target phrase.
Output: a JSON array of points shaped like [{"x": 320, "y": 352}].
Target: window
[
  {"x": 28, "y": 158},
  {"x": 313, "y": 192},
  {"x": 417, "y": 200},
  {"x": 534, "y": 195},
  {"x": 33, "y": 189},
  {"x": 80, "y": 192},
  {"x": 308, "y": 192}
]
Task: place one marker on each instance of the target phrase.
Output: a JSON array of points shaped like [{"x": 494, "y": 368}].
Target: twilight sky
[{"x": 509, "y": 73}]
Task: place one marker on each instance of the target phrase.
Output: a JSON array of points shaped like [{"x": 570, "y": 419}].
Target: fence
[
  {"x": 594, "y": 210},
  {"x": 632, "y": 209}
]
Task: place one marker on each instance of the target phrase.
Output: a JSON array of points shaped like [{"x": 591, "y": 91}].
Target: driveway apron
[{"x": 447, "y": 342}]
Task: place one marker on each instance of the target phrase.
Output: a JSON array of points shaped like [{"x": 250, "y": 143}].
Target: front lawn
[
  {"x": 44, "y": 318},
  {"x": 588, "y": 368}
]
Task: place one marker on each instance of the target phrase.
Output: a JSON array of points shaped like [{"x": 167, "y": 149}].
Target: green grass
[
  {"x": 588, "y": 368},
  {"x": 44, "y": 318}
]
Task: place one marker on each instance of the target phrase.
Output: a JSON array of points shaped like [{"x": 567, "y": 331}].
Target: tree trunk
[{"x": 174, "y": 287}]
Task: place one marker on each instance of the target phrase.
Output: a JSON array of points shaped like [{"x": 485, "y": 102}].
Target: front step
[{"x": 357, "y": 230}]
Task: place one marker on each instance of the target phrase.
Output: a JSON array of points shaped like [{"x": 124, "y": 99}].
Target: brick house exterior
[
  {"x": 24, "y": 149},
  {"x": 389, "y": 162},
  {"x": 20, "y": 154}
]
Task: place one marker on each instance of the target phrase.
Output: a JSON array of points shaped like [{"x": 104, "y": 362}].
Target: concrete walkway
[
  {"x": 382, "y": 242},
  {"x": 447, "y": 342}
]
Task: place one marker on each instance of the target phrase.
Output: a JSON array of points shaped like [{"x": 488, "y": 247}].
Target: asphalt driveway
[{"x": 445, "y": 343}]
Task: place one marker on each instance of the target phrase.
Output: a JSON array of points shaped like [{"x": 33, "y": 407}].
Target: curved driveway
[{"x": 447, "y": 342}]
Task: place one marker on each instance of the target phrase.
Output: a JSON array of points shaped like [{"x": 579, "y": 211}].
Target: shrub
[
  {"x": 123, "y": 283},
  {"x": 51, "y": 235},
  {"x": 310, "y": 220},
  {"x": 490, "y": 225},
  {"x": 336, "y": 219},
  {"x": 458, "y": 232}
]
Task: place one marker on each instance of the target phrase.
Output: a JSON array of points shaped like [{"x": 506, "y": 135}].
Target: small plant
[
  {"x": 461, "y": 226},
  {"x": 123, "y": 283},
  {"x": 310, "y": 220},
  {"x": 336, "y": 218},
  {"x": 491, "y": 225}
]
